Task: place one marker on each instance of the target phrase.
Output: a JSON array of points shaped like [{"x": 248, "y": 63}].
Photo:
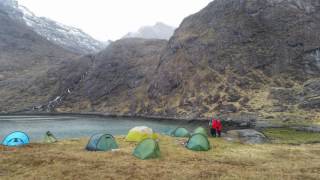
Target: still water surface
[{"x": 81, "y": 126}]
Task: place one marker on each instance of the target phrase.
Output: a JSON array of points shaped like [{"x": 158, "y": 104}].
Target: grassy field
[{"x": 226, "y": 160}]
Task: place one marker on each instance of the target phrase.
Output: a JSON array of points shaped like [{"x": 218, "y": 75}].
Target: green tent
[
  {"x": 102, "y": 142},
  {"x": 49, "y": 138},
  {"x": 147, "y": 149},
  {"x": 198, "y": 142},
  {"x": 200, "y": 130},
  {"x": 180, "y": 132}
]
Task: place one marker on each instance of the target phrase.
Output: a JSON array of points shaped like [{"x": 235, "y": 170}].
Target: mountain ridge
[
  {"x": 157, "y": 31},
  {"x": 25, "y": 59},
  {"x": 68, "y": 37}
]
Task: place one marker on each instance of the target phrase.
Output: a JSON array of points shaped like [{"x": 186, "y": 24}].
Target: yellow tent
[{"x": 140, "y": 133}]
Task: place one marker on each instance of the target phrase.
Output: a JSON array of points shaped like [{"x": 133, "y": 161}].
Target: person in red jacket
[{"x": 215, "y": 126}]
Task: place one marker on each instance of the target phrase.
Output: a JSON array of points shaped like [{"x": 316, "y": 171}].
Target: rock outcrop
[
  {"x": 311, "y": 94},
  {"x": 112, "y": 80},
  {"x": 235, "y": 49},
  {"x": 246, "y": 136}
]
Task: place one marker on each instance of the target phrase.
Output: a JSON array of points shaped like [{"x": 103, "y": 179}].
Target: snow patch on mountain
[{"x": 68, "y": 37}]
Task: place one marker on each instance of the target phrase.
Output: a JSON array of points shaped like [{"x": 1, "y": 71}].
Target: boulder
[
  {"x": 311, "y": 94},
  {"x": 284, "y": 95},
  {"x": 311, "y": 129},
  {"x": 312, "y": 88},
  {"x": 2, "y": 77},
  {"x": 227, "y": 108},
  {"x": 244, "y": 101},
  {"x": 247, "y": 136},
  {"x": 234, "y": 96},
  {"x": 311, "y": 103}
]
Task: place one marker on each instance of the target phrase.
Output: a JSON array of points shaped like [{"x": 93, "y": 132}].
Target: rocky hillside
[
  {"x": 68, "y": 37},
  {"x": 256, "y": 57},
  {"x": 25, "y": 59},
  {"x": 158, "y": 31},
  {"x": 109, "y": 81}
]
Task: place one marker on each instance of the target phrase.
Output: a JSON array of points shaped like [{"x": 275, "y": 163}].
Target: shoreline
[
  {"x": 110, "y": 115},
  {"x": 230, "y": 124}
]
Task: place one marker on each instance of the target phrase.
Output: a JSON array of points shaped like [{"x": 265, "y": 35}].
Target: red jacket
[{"x": 216, "y": 124}]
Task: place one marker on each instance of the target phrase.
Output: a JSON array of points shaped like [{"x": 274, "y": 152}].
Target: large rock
[
  {"x": 311, "y": 103},
  {"x": 311, "y": 94},
  {"x": 247, "y": 136},
  {"x": 312, "y": 129},
  {"x": 285, "y": 95},
  {"x": 312, "y": 88},
  {"x": 2, "y": 77}
]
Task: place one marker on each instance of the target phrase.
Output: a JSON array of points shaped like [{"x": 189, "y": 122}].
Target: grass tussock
[{"x": 68, "y": 160}]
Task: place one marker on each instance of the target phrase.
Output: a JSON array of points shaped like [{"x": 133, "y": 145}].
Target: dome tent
[
  {"x": 140, "y": 133},
  {"x": 180, "y": 132},
  {"x": 102, "y": 142},
  {"x": 198, "y": 142},
  {"x": 147, "y": 149},
  {"x": 200, "y": 130},
  {"x": 49, "y": 138},
  {"x": 16, "y": 139}
]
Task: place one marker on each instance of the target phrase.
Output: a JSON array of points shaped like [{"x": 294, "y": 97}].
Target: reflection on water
[{"x": 81, "y": 126}]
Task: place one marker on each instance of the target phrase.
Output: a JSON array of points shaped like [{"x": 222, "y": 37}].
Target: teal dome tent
[
  {"x": 180, "y": 132},
  {"x": 16, "y": 139},
  {"x": 200, "y": 130},
  {"x": 49, "y": 138},
  {"x": 102, "y": 142},
  {"x": 198, "y": 142},
  {"x": 147, "y": 149}
]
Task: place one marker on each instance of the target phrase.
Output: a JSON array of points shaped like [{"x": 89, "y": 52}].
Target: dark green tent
[
  {"x": 198, "y": 142},
  {"x": 102, "y": 142},
  {"x": 180, "y": 132},
  {"x": 147, "y": 149},
  {"x": 200, "y": 130},
  {"x": 49, "y": 138}
]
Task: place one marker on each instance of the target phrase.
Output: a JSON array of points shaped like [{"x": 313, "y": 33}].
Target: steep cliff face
[
  {"x": 111, "y": 80},
  {"x": 272, "y": 37},
  {"x": 233, "y": 51},
  {"x": 25, "y": 59}
]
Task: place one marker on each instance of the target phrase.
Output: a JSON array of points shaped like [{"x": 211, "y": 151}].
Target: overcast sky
[{"x": 112, "y": 19}]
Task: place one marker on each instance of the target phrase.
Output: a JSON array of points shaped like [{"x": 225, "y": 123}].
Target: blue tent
[{"x": 16, "y": 139}]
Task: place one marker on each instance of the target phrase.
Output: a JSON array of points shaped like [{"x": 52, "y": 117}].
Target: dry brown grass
[{"x": 226, "y": 160}]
